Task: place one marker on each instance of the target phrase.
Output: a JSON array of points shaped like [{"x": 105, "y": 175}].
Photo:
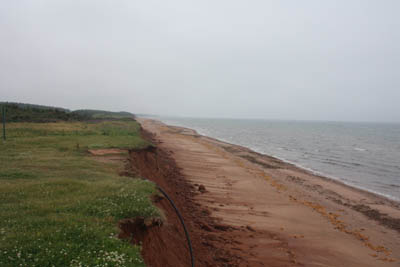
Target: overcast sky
[{"x": 306, "y": 60}]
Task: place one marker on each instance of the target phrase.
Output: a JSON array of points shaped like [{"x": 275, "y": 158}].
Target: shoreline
[
  {"x": 324, "y": 177},
  {"x": 297, "y": 217},
  {"x": 321, "y": 174},
  {"x": 277, "y": 213}
]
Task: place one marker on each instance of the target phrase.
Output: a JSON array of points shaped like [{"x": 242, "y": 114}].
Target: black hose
[{"x": 183, "y": 224}]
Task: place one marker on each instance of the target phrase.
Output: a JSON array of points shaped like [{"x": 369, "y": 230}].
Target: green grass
[{"x": 58, "y": 205}]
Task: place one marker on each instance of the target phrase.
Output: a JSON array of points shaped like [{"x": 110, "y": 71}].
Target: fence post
[{"x": 4, "y": 122}]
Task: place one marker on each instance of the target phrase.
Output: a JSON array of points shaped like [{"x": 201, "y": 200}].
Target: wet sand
[{"x": 291, "y": 216}]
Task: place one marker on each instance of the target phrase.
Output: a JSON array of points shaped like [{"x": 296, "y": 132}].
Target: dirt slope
[{"x": 165, "y": 245}]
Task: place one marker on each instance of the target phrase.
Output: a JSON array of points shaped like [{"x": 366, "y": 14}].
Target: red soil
[{"x": 166, "y": 245}]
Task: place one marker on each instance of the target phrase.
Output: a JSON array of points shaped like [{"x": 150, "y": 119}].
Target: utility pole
[{"x": 4, "y": 122}]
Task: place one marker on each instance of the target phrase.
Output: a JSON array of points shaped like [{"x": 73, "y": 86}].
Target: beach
[{"x": 272, "y": 213}]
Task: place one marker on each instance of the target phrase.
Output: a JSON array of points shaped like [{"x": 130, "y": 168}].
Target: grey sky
[{"x": 318, "y": 60}]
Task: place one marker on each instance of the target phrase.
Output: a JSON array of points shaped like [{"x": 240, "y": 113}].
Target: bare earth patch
[{"x": 109, "y": 151}]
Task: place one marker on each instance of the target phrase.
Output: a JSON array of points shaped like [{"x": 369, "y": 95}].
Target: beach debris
[
  {"x": 205, "y": 227},
  {"x": 221, "y": 227},
  {"x": 202, "y": 188},
  {"x": 248, "y": 227}
]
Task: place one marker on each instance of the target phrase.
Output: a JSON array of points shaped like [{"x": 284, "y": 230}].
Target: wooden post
[{"x": 4, "y": 122}]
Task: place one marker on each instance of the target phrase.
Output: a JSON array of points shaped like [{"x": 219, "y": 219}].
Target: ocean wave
[{"x": 360, "y": 149}]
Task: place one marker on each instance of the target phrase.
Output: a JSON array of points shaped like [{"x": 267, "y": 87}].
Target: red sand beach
[{"x": 274, "y": 213}]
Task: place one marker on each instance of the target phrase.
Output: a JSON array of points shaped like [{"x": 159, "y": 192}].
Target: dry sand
[{"x": 294, "y": 218}]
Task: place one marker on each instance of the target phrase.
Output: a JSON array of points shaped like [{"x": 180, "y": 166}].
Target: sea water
[{"x": 363, "y": 155}]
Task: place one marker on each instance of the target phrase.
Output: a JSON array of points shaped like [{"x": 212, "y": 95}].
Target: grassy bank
[
  {"x": 19, "y": 112},
  {"x": 58, "y": 205},
  {"x": 22, "y": 112}
]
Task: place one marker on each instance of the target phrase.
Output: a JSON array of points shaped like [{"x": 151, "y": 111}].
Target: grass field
[{"x": 58, "y": 205}]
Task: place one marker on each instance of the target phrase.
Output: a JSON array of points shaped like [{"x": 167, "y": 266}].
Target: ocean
[{"x": 363, "y": 155}]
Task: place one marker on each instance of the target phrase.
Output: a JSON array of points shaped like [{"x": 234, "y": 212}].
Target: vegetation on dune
[{"x": 59, "y": 206}]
